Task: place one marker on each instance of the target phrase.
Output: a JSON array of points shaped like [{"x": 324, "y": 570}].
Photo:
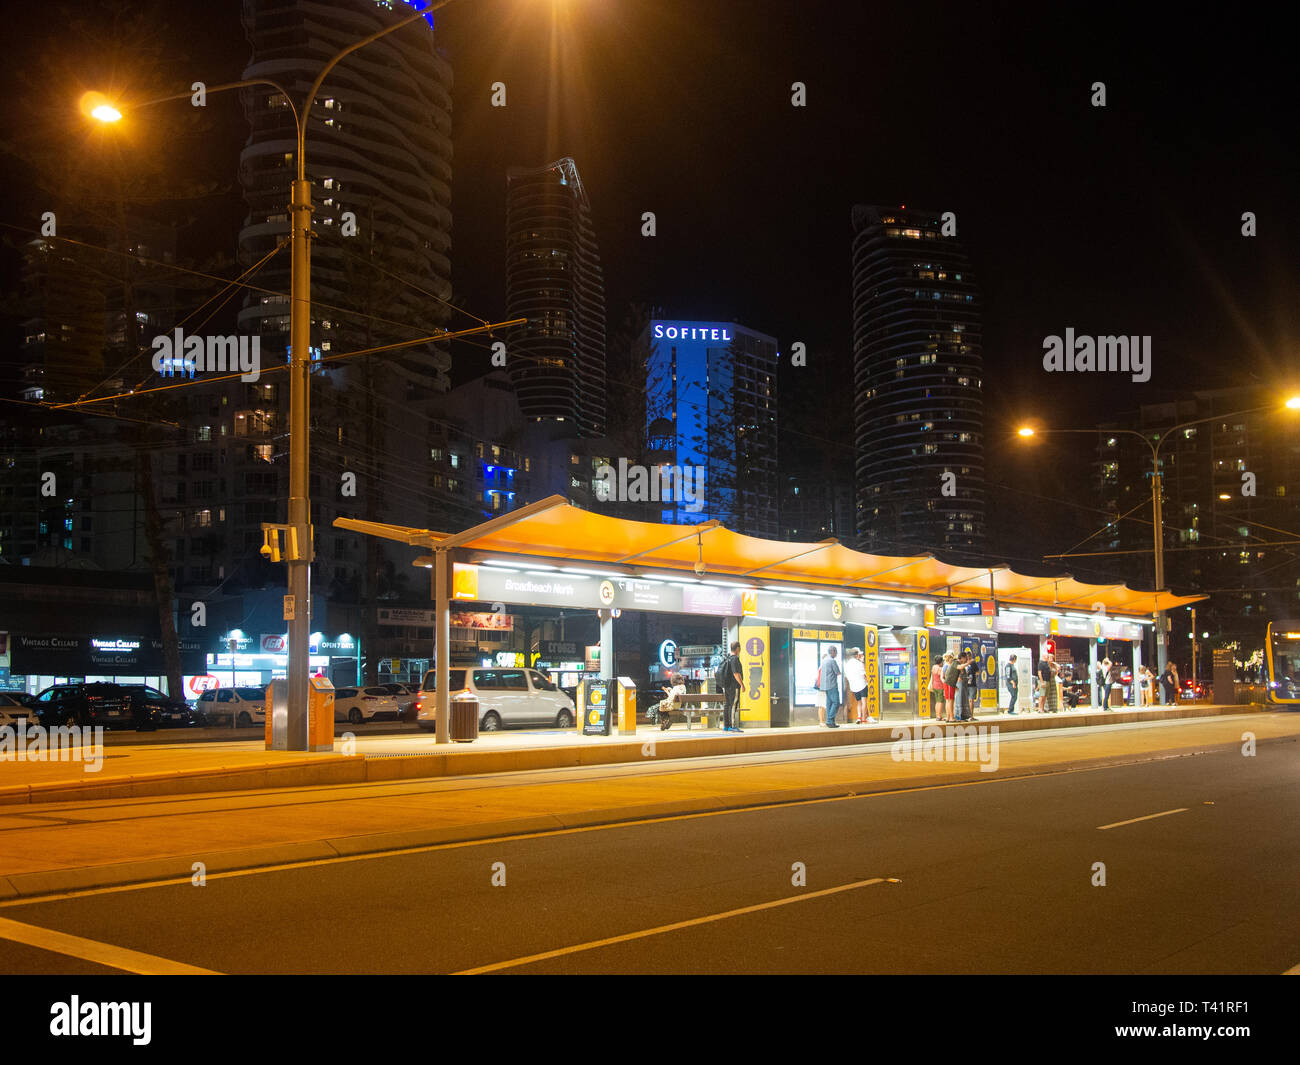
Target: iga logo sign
[
  {"x": 274, "y": 644},
  {"x": 204, "y": 682}
]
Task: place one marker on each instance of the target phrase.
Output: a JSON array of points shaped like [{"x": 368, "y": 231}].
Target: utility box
[
  {"x": 626, "y": 706},
  {"x": 277, "y": 710},
  {"x": 315, "y": 733},
  {"x": 320, "y": 715}
]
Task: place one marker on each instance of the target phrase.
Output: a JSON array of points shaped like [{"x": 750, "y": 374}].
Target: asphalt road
[{"x": 991, "y": 877}]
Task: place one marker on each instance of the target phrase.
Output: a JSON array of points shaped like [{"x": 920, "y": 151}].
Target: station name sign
[
  {"x": 488, "y": 584},
  {"x": 965, "y": 608}
]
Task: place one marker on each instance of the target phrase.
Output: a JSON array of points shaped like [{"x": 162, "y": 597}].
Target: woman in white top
[{"x": 855, "y": 679}]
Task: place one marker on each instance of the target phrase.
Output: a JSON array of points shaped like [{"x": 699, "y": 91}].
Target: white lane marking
[
  {"x": 131, "y": 961},
  {"x": 1135, "y": 820},
  {"x": 594, "y": 944}
]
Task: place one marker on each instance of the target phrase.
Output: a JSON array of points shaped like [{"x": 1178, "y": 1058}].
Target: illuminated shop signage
[{"x": 115, "y": 645}]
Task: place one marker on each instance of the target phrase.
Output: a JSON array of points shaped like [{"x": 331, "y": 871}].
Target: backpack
[
  {"x": 950, "y": 675},
  {"x": 724, "y": 675}
]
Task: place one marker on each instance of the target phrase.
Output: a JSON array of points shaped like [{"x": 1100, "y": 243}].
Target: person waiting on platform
[
  {"x": 673, "y": 701},
  {"x": 855, "y": 678}
]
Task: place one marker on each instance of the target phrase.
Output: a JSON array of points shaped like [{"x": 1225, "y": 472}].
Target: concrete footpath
[
  {"x": 83, "y": 845},
  {"x": 177, "y": 767}
]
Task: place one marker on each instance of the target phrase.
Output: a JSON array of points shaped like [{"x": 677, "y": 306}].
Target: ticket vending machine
[{"x": 898, "y": 687}]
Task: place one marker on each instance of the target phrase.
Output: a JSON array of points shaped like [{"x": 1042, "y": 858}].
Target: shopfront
[
  {"x": 37, "y": 662},
  {"x": 238, "y": 659}
]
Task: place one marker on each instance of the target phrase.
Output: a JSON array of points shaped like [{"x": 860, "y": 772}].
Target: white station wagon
[{"x": 507, "y": 697}]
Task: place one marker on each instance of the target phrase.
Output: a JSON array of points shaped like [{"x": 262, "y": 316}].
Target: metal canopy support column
[
  {"x": 606, "y": 644},
  {"x": 442, "y": 640}
]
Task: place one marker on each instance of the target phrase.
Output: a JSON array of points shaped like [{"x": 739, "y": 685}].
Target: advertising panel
[
  {"x": 988, "y": 673},
  {"x": 806, "y": 663},
  {"x": 596, "y": 719},
  {"x": 466, "y": 619}
]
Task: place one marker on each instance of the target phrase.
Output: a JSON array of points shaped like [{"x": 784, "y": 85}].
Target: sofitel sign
[{"x": 663, "y": 331}]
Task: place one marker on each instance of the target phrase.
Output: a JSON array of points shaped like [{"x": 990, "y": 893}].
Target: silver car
[
  {"x": 242, "y": 707},
  {"x": 507, "y": 697}
]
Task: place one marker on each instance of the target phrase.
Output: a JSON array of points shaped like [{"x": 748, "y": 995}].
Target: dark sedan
[
  {"x": 85, "y": 705},
  {"x": 154, "y": 709}
]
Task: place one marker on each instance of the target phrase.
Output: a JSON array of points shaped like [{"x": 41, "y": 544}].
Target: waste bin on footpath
[{"x": 463, "y": 727}]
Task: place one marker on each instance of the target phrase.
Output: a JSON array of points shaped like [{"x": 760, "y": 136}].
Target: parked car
[
  {"x": 160, "y": 709},
  {"x": 14, "y": 708},
  {"x": 98, "y": 703},
  {"x": 356, "y": 705},
  {"x": 241, "y": 707},
  {"x": 506, "y": 698},
  {"x": 1192, "y": 689},
  {"x": 405, "y": 694}
]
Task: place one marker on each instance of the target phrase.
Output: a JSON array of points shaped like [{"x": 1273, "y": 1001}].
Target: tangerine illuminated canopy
[{"x": 553, "y": 528}]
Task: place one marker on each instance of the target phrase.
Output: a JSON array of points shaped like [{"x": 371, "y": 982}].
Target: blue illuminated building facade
[{"x": 711, "y": 394}]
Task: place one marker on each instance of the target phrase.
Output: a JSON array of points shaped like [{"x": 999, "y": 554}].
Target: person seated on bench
[{"x": 673, "y": 702}]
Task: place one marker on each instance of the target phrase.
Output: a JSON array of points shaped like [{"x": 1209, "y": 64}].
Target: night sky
[{"x": 1123, "y": 219}]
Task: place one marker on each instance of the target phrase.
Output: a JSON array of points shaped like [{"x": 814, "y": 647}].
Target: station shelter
[{"x": 786, "y": 603}]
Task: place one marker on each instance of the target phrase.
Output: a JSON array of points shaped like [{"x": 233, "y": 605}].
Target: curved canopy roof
[{"x": 556, "y": 529}]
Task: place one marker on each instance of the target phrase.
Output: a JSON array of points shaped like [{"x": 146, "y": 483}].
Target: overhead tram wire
[
  {"x": 281, "y": 369},
  {"x": 27, "y": 230},
  {"x": 229, "y": 287}
]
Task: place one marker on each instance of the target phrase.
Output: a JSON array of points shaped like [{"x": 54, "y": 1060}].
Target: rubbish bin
[{"x": 463, "y": 727}]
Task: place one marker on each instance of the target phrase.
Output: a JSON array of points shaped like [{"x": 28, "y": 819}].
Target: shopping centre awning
[{"x": 553, "y": 528}]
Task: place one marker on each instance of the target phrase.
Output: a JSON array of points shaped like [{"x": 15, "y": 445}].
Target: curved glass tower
[
  {"x": 554, "y": 279},
  {"x": 379, "y": 147},
  {"x": 918, "y": 370}
]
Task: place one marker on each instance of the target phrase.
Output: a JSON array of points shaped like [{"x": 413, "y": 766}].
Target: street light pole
[{"x": 300, "y": 559}]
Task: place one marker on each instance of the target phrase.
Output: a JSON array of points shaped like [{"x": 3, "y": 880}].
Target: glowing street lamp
[{"x": 99, "y": 107}]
